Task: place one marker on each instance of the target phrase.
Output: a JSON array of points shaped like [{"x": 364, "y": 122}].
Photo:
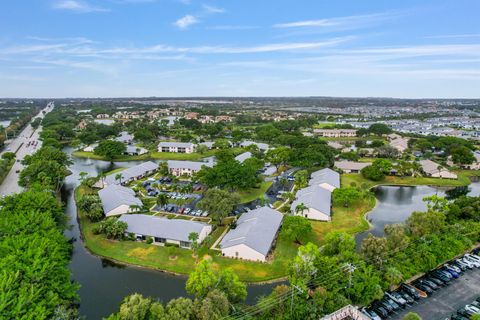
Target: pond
[
  {"x": 396, "y": 203},
  {"x": 103, "y": 283}
]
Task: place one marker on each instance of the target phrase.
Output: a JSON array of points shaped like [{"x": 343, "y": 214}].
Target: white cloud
[
  {"x": 212, "y": 9},
  {"x": 186, "y": 21},
  {"x": 340, "y": 22},
  {"x": 77, "y": 6}
]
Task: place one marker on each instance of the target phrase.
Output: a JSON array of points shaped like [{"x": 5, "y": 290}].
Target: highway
[{"x": 10, "y": 184}]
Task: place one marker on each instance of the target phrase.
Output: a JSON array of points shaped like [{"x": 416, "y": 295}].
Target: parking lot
[{"x": 443, "y": 303}]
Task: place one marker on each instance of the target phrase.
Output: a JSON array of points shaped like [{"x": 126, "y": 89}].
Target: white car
[
  {"x": 205, "y": 213},
  {"x": 187, "y": 210},
  {"x": 471, "y": 308},
  {"x": 467, "y": 262},
  {"x": 475, "y": 262},
  {"x": 472, "y": 257},
  {"x": 199, "y": 213},
  {"x": 454, "y": 268}
]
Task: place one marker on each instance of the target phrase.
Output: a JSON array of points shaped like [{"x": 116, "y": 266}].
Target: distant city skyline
[{"x": 182, "y": 48}]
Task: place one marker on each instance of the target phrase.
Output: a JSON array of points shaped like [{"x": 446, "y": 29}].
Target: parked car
[
  {"x": 472, "y": 308},
  {"x": 424, "y": 288},
  {"x": 187, "y": 210},
  {"x": 383, "y": 305},
  {"x": 394, "y": 305},
  {"x": 454, "y": 274},
  {"x": 462, "y": 265},
  {"x": 398, "y": 299},
  {"x": 406, "y": 296},
  {"x": 431, "y": 284},
  {"x": 453, "y": 267},
  {"x": 469, "y": 263},
  {"x": 410, "y": 291},
  {"x": 458, "y": 317},
  {"x": 371, "y": 314},
  {"x": 437, "y": 281},
  {"x": 465, "y": 312},
  {"x": 379, "y": 310}
]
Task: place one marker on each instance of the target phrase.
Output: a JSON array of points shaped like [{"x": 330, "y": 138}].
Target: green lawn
[
  {"x": 91, "y": 155},
  {"x": 181, "y": 156},
  {"x": 462, "y": 180},
  {"x": 254, "y": 193}
]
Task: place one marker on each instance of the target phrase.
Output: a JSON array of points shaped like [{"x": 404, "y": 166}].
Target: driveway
[{"x": 447, "y": 300}]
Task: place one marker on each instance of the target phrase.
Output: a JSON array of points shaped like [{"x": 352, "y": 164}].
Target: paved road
[
  {"x": 10, "y": 184},
  {"x": 447, "y": 300}
]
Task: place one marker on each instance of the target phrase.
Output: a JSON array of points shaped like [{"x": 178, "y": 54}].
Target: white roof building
[
  {"x": 254, "y": 235},
  {"x": 164, "y": 230},
  {"x": 317, "y": 202},
  {"x": 436, "y": 170},
  {"x": 118, "y": 200},
  {"x": 325, "y": 178}
]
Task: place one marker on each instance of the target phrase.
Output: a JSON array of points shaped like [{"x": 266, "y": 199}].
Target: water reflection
[{"x": 395, "y": 204}]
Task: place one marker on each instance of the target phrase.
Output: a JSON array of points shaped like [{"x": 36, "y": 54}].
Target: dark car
[
  {"x": 380, "y": 311},
  {"x": 458, "y": 317},
  {"x": 410, "y": 291},
  {"x": 407, "y": 297},
  {"x": 466, "y": 313},
  {"x": 450, "y": 271},
  {"x": 431, "y": 284},
  {"x": 424, "y": 288},
  {"x": 441, "y": 275},
  {"x": 392, "y": 303},
  {"x": 384, "y": 305},
  {"x": 436, "y": 280}
]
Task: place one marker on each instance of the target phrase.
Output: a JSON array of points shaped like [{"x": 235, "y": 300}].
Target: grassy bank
[
  {"x": 359, "y": 180},
  {"x": 91, "y": 155}
]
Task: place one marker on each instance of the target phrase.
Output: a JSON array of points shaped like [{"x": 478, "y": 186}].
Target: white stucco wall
[
  {"x": 314, "y": 214},
  {"x": 118, "y": 210},
  {"x": 242, "y": 251}
]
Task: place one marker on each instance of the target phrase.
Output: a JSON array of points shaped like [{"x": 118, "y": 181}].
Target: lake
[{"x": 396, "y": 203}]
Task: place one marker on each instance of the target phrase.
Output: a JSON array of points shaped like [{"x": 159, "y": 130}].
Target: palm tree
[
  {"x": 193, "y": 237},
  {"x": 102, "y": 178},
  {"x": 118, "y": 177},
  {"x": 162, "y": 199},
  {"x": 300, "y": 208}
]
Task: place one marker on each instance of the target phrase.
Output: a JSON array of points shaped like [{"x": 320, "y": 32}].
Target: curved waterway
[
  {"x": 104, "y": 283},
  {"x": 396, "y": 203}
]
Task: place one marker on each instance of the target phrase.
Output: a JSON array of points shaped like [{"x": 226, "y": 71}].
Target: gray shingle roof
[
  {"x": 256, "y": 229},
  {"x": 176, "y": 144},
  {"x": 132, "y": 172},
  {"x": 313, "y": 197},
  {"x": 244, "y": 156},
  {"x": 351, "y": 165},
  {"x": 325, "y": 176},
  {"x": 173, "y": 229},
  {"x": 114, "y": 196},
  {"x": 192, "y": 165},
  {"x": 260, "y": 145},
  {"x": 124, "y": 137}
]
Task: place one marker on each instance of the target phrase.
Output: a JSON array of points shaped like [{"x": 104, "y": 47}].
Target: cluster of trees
[
  {"x": 218, "y": 203},
  {"x": 378, "y": 170},
  {"x": 47, "y": 167},
  {"x": 112, "y": 228},
  {"x": 97, "y": 132},
  {"x": 460, "y": 149},
  {"x": 214, "y": 292},
  {"x": 375, "y": 129},
  {"x": 6, "y": 162},
  {"x": 34, "y": 255},
  {"x": 91, "y": 205},
  {"x": 229, "y": 173},
  {"x": 110, "y": 149}
]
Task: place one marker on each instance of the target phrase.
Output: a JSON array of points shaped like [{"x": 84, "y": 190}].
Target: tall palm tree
[
  {"x": 118, "y": 177},
  {"x": 300, "y": 208},
  {"x": 162, "y": 199}
]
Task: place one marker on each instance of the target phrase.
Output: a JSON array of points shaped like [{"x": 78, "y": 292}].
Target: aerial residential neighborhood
[{"x": 239, "y": 160}]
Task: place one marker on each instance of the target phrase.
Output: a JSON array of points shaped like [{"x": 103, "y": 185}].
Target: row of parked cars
[
  {"x": 406, "y": 295},
  {"x": 184, "y": 210},
  {"x": 467, "y": 311}
]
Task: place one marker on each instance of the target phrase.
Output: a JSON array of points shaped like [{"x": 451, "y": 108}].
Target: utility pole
[{"x": 350, "y": 269}]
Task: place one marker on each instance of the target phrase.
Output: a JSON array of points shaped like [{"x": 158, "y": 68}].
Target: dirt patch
[{"x": 141, "y": 253}]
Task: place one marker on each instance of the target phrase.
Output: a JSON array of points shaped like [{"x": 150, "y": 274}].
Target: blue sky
[{"x": 119, "y": 48}]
